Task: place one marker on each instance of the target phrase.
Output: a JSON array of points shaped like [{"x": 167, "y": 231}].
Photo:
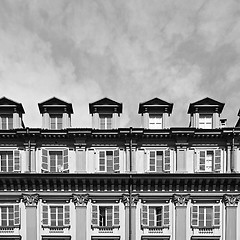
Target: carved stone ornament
[
  {"x": 231, "y": 200},
  {"x": 181, "y": 200},
  {"x": 30, "y": 200},
  {"x": 126, "y": 198},
  {"x": 80, "y": 200}
]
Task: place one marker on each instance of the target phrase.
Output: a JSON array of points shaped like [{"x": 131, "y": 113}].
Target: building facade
[{"x": 151, "y": 183}]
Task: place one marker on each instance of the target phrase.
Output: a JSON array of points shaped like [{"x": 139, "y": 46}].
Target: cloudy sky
[{"x": 130, "y": 50}]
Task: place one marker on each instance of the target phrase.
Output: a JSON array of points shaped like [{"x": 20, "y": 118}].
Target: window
[
  {"x": 55, "y": 161},
  {"x": 155, "y": 216},
  {"x": 105, "y": 121},
  {"x": 105, "y": 216},
  {"x": 9, "y": 216},
  {"x": 205, "y": 216},
  {"x": 209, "y": 160},
  {"x": 155, "y": 121},
  {"x": 6, "y": 121},
  {"x": 56, "y": 216},
  {"x": 109, "y": 161},
  {"x": 10, "y": 161},
  {"x": 159, "y": 161},
  {"x": 205, "y": 121},
  {"x": 56, "y": 121}
]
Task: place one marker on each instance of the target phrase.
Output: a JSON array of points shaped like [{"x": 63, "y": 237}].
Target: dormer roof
[
  {"x": 55, "y": 104},
  {"x": 105, "y": 104},
  {"x": 207, "y": 104},
  {"x": 155, "y": 105},
  {"x": 8, "y": 104}
]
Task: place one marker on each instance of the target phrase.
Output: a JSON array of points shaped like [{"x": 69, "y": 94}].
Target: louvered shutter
[
  {"x": 166, "y": 215},
  {"x": 16, "y": 215},
  {"x": 216, "y": 216},
  {"x": 45, "y": 215},
  {"x": 109, "y": 216},
  {"x": 194, "y": 216},
  {"x": 65, "y": 160},
  {"x": 167, "y": 161},
  {"x": 67, "y": 215},
  {"x": 202, "y": 158},
  {"x": 116, "y": 160},
  {"x": 116, "y": 216},
  {"x": 144, "y": 215},
  {"x": 102, "y": 163},
  {"x": 152, "y": 161},
  {"x": 217, "y": 160},
  {"x": 45, "y": 167},
  {"x": 16, "y": 154},
  {"x": 94, "y": 215}
]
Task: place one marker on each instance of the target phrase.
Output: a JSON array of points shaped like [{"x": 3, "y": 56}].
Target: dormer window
[
  {"x": 6, "y": 121},
  {"x": 105, "y": 121},
  {"x": 155, "y": 121},
  {"x": 56, "y": 121},
  {"x": 206, "y": 121}
]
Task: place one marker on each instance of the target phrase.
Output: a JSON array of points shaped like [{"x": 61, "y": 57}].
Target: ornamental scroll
[
  {"x": 30, "y": 200},
  {"x": 181, "y": 200}
]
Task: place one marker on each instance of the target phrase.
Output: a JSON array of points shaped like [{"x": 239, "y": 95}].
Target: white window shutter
[
  {"x": 45, "y": 163},
  {"x": 65, "y": 160},
  {"x": 152, "y": 161},
  {"x": 144, "y": 215},
  {"x": 16, "y": 215},
  {"x": 166, "y": 215},
  {"x": 116, "y": 216},
  {"x": 216, "y": 216},
  {"x": 166, "y": 163},
  {"x": 217, "y": 160},
  {"x": 102, "y": 161},
  {"x": 194, "y": 216},
  {"x": 45, "y": 215},
  {"x": 66, "y": 215},
  {"x": 109, "y": 216},
  {"x": 16, "y": 154},
  {"x": 202, "y": 158},
  {"x": 147, "y": 161},
  {"x": 116, "y": 160},
  {"x": 94, "y": 215}
]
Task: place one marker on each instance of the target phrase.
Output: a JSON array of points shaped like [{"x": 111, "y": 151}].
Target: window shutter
[
  {"x": 144, "y": 215},
  {"x": 116, "y": 216},
  {"x": 45, "y": 215},
  {"x": 116, "y": 160},
  {"x": 67, "y": 215},
  {"x": 166, "y": 215},
  {"x": 217, "y": 160},
  {"x": 45, "y": 160},
  {"x": 109, "y": 216},
  {"x": 159, "y": 160},
  {"x": 16, "y": 154},
  {"x": 194, "y": 216},
  {"x": 65, "y": 160},
  {"x": 16, "y": 215},
  {"x": 102, "y": 163},
  {"x": 94, "y": 215},
  {"x": 167, "y": 161},
  {"x": 202, "y": 158},
  {"x": 152, "y": 161},
  {"x": 216, "y": 216}
]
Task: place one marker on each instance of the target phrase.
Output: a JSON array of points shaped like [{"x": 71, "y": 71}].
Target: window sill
[
  {"x": 56, "y": 227},
  {"x": 8, "y": 228},
  {"x": 105, "y": 227},
  {"x": 156, "y": 227}
]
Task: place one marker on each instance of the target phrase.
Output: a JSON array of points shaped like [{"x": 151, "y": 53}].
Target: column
[
  {"x": 31, "y": 215},
  {"x": 16, "y": 119},
  {"x": 65, "y": 119},
  {"x": 228, "y": 158},
  {"x": 46, "y": 120},
  {"x": 33, "y": 159},
  {"x": 134, "y": 200},
  {"x": 80, "y": 202},
  {"x": 115, "y": 119},
  {"x": 165, "y": 123},
  {"x": 180, "y": 202},
  {"x": 231, "y": 202},
  {"x": 146, "y": 120},
  {"x": 81, "y": 158},
  {"x": 95, "y": 119}
]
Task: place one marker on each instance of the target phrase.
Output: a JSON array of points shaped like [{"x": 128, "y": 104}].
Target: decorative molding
[
  {"x": 126, "y": 200},
  {"x": 80, "y": 200},
  {"x": 30, "y": 200},
  {"x": 231, "y": 200},
  {"x": 181, "y": 200}
]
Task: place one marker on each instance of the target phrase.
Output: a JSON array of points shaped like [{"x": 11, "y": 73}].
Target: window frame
[
  {"x": 203, "y": 117},
  {"x": 55, "y": 121},
  {"x": 105, "y": 121},
  {"x": 9, "y": 124},
  {"x": 16, "y": 216},
  {"x": 16, "y": 159},
  {"x": 155, "y": 121}
]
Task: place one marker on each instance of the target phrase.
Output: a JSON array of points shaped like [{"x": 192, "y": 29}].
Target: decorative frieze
[
  {"x": 181, "y": 200},
  {"x": 231, "y": 200},
  {"x": 30, "y": 199},
  {"x": 80, "y": 200},
  {"x": 126, "y": 199}
]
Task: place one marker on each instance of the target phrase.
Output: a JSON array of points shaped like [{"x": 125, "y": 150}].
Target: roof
[
  {"x": 105, "y": 104},
  {"x": 156, "y": 104},
  {"x": 7, "y": 103},
  {"x": 206, "y": 103},
  {"x": 55, "y": 103}
]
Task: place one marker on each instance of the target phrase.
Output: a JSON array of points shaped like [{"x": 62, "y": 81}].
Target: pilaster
[
  {"x": 46, "y": 120},
  {"x": 181, "y": 159},
  {"x": 65, "y": 119},
  {"x": 16, "y": 119},
  {"x": 80, "y": 150},
  {"x": 146, "y": 120}
]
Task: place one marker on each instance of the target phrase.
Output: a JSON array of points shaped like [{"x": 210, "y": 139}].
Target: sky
[{"x": 130, "y": 51}]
